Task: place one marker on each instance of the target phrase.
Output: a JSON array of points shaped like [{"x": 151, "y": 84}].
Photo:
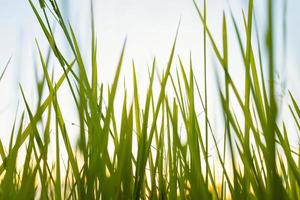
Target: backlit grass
[{"x": 143, "y": 155}]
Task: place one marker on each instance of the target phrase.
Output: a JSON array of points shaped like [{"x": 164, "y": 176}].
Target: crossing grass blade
[{"x": 139, "y": 151}]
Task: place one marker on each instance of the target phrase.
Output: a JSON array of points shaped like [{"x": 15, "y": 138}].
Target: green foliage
[{"x": 263, "y": 164}]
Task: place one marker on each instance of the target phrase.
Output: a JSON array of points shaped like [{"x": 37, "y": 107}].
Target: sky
[{"x": 150, "y": 28}]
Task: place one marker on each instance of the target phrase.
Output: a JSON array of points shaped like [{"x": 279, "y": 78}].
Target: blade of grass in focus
[{"x": 139, "y": 152}]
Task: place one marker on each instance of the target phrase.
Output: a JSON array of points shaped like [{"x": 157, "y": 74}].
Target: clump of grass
[{"x": 163, "y": 167}]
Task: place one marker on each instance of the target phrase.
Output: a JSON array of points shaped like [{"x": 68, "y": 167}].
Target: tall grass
[{"x": 104, "y": 164}]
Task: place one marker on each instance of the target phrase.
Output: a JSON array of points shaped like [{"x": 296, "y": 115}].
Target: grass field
[{"x": 143, "y": 155}]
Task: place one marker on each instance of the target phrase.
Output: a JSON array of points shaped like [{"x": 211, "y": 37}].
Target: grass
[{"x": 104, "y": 165}]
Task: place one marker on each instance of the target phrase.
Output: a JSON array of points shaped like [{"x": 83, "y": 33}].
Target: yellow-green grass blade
[{"x": 143, "y": 156}]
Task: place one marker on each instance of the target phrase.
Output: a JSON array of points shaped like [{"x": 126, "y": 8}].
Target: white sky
[{"x": 150, "y": 27}]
